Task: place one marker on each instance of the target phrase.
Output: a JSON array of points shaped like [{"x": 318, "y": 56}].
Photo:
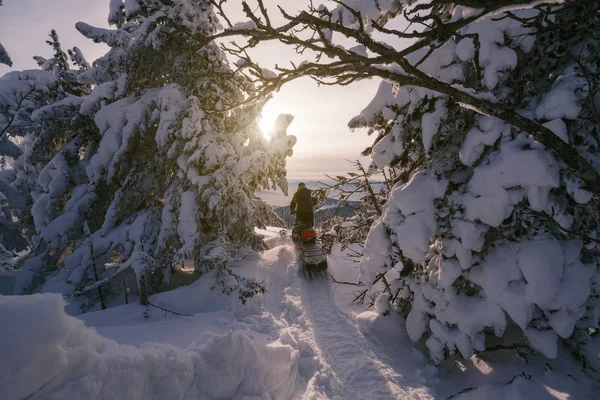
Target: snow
[
  {"x": 172, "y": 103},
  {"x": 268, "y": 74},
  {"x": 494, "y": 56},
  {"x": 112, "y": 38},
  {"x": 271, "y": 236},
  {"x": 383, "y": 97},
  {"x": 370, "y": 10},
  {"x": 562, "y": 322},
  {"x": 243, "y": 26},
  {"x": 465, "y": 49},
  {"x": 559, "y": 128},
  {"x": 574, "y": 188},
  {"x": 301, "y": 339},
  {"x": 414, "y": 200},
  {"x": 241, "y": 63},
  {"x": 68, "y": 360},
  {"x": 543, "y": 341},
  {"x": 476, "y": 140},
  {"x": 490, "y": 202},
  {"x": 431, "y": 123},
  {"x": 540, "y": 273},
  {"x": 561, "y": 101},
  {"x": 541, "y": 262},
  {"x": 360, "y": 50},
  {"x": 272, "y": 347},
  {"x": 376, "y": 254}
]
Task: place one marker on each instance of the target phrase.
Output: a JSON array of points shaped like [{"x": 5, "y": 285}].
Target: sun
[{"x": 269, "y": 115}]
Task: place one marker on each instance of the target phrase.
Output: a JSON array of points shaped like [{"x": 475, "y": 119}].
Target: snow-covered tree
[
  {"x": 17, "y": 102},
  {"x": 38, "y": 117},
  {"x": 489, "y": 111},
  {"x": 176, "y": 166},
  {"x": 487, "y": 227}
]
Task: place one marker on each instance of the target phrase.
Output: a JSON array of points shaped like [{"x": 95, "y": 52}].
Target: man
[{"x": 302, "y": 205}]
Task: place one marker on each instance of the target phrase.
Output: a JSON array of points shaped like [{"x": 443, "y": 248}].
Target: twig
[
  {"x": 395, "y": 296},
  {"x": 469, "y": 389},
  {"x": 559, "y": 227},
  {"x": 219, "y": 7},
  {"x": 167, "y": 310},
  {"x": 360, "y": 298},
  {"x": 344, "y": 282}
]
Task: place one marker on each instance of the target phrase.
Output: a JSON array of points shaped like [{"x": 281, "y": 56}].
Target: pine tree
[
  {"x": 177, "y": 163},
  {"x": 38, "y": 114}
]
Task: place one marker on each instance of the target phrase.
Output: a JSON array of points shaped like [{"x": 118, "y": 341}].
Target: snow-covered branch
[{"x": 352, "y": 66}]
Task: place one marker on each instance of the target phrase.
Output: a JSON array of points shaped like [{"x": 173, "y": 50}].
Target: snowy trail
[
  {"x": 362, "y": 373},
  {"x": 349, "y": 365}
]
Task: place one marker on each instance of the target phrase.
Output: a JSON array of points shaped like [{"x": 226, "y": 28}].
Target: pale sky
[{"x": 321, "y": 113}]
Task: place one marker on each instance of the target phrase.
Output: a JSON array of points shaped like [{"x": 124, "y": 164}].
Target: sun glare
[{"x": 269, "y": 115}]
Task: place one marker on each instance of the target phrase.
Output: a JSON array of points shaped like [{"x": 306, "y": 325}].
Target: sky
[{"x": 325, "y": 144}]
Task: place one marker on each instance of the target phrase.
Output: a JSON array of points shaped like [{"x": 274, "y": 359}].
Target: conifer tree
[
  {"x": 176, "y": 166},
  {"x": 38, "y": 115}
]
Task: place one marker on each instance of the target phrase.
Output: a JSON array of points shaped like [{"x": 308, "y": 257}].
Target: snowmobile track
[{"x": 361, "y": 373}]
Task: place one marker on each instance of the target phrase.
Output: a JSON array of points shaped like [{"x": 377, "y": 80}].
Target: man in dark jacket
[{"x": 302, "y": 205}]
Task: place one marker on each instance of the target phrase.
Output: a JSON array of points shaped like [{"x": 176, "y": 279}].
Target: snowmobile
[{"x": 314, "y": 260}]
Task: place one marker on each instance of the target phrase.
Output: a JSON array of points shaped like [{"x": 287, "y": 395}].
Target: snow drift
[{"x": 51, "y": 355}]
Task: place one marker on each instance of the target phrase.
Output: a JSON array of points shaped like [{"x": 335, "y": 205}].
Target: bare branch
[
  {"x": 344, "y": 282},
  {"x": 169, "y": 311},
  {"x": 263, "y": 11},
  {"x": 219, "y": 6}
]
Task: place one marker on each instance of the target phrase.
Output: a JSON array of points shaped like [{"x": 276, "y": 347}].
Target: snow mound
[{"x": 55, "y": 356}]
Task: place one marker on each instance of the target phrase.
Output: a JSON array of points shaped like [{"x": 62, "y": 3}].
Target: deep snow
[{"x": 302, "y": 339}]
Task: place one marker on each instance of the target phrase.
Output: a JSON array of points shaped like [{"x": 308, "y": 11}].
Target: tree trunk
[
  {"x": 125, "y": 290},
  {"x": 143, "y": 291},
  {"x": 99, "y": 288}
]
